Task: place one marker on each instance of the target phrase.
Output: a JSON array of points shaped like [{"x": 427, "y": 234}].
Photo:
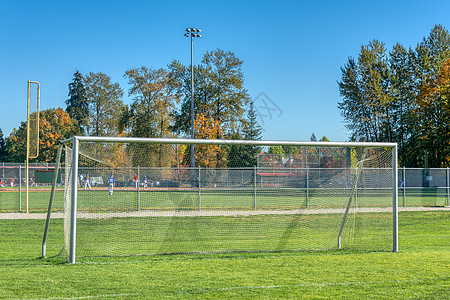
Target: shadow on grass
[
  {"x": 38, "y": 261},
  {"x": 237, "y": 255}
]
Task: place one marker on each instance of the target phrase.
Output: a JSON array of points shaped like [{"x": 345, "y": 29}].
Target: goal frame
[{"x": 77, "y": 139}]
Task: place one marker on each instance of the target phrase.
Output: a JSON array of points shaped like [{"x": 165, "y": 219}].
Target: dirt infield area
[{"x": 212, "y": 213}]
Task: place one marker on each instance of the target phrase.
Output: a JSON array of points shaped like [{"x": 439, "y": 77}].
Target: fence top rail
[
  {"x": 278, "y": 169},
  {"x": 225, "y": 142},
  {"x": 424, "y": 169}
]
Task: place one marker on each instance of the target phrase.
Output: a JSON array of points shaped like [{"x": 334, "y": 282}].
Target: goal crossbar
[{"x": 224, "y": 142}]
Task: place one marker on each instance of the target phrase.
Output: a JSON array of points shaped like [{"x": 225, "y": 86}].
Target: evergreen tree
[
  {"x": 246, "y": 155},
  {"x": 368, "y": 105},
  {"x": 388, "y": 97},
  {"x": 77, "y": 104},
  {"x": 2, "y": 147},
  {"x": 404, "y": 92},
  {"x": 252, "y": 130},
  {"x": 431, "y": 118},
  {"x": 292, "y": 149}
]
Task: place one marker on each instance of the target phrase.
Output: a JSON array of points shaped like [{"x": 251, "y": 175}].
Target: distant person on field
[
  {"x": 81, "y": 180},
  {"x": 111, "y": 182},
  {"x": 145, "y": 181},
  {"x": 12, "y": 182},
  {"x": 87, "y": 182},
  {"x": 136, "y": 180}
]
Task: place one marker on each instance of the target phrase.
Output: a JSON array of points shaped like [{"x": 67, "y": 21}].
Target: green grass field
[
  {"x": 419, "y": 271},
  {"x": 289, "y": 198}
]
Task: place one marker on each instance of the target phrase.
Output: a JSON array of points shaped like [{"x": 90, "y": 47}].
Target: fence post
[
  {"x": 20, "y": 188},
  {"x": 199, "y": 190},
  {"x": 138, "y": 192},
  {"x": 404, "y": 186},
  {"x": 307, "y": 187},
  {"x": 448, "y": 187},
  {"x": 254, "y": 187}
]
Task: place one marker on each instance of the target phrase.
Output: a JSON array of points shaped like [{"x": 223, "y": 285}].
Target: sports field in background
[
  {"x": 418, "y": 271},
  {"x": 39, "y": 197}
]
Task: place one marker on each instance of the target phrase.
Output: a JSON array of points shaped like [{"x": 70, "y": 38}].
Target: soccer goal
[{"x": 139, "y": 196}]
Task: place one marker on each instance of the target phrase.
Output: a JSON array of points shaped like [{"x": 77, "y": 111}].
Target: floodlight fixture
[{"x": 193, "y": 32}]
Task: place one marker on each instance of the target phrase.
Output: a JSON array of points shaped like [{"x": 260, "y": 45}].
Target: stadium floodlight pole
[{"x": 192, "y": 32}]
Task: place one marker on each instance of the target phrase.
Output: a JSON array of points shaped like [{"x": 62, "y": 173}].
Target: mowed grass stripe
[
  {"x": 215, "y": 198},
  {"x": 420, "y": 270}
]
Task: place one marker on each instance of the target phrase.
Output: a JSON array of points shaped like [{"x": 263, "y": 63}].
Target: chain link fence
[
  {"x": 417, "y": 186},
  {"x": 13, "y": 185}
]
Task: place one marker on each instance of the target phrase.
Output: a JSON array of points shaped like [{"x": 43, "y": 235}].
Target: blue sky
[{"x": 292, "y": 50}]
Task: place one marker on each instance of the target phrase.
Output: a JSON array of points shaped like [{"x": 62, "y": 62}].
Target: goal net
[{"x": 138, "y": 196}]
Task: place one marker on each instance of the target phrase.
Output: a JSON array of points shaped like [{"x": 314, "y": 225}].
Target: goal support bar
[{"x": 52, "y": 197}]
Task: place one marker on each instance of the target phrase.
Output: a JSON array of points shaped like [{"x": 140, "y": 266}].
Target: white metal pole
[
  {"x": 226, "y": 142},
  {"x": 73, "y": 204},
  {"x": 395, "y": 198}
]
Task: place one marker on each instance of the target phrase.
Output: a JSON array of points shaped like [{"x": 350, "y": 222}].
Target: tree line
[
  {"x": 160, "y": 108},
  {"x": 399, "y": 95},
  {"x": 402, "y": 96}
]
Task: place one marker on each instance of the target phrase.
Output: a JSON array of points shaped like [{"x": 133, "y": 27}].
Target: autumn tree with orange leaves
[
  {"x": 55, "y": 126},
  {"x": 207, "y": 156}
]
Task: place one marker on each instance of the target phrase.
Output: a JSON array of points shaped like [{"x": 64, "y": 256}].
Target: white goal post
[{"x": 298, "y": 196}]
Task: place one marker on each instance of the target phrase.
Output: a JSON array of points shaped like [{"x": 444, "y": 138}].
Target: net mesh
[{"x": 306, "y": 200}]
